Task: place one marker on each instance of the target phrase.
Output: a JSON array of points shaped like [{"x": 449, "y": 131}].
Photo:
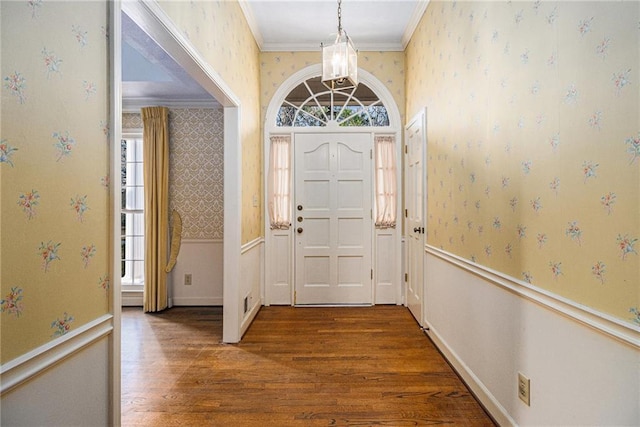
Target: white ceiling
[
  {"x": 287, "y": 25},
  {"x": 277, "y": 25},
  {"x": 149, "y": 73}
]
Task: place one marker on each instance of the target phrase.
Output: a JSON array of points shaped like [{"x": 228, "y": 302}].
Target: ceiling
[
  {"x": 277, "y": 25},
  {"x": 286, "y": 25},
  {"x": 149, "y": 73}
]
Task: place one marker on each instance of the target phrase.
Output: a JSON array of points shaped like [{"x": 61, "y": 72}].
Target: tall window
[{"x": 132, "y": 212}]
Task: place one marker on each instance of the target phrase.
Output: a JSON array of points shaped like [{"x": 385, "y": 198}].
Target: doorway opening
[
  {"x": 332, "y": 253},
  {"x": 152, "y": 20}
]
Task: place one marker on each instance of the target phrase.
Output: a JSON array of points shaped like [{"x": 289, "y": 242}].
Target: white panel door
[
  {"x": 414, "y": 197},
  {"x": 332, "y": 219}
]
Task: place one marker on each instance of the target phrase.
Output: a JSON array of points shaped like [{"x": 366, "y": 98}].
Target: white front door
[
  {"x": 332, "y": 219},
  {"x": 414, "y": 197}
]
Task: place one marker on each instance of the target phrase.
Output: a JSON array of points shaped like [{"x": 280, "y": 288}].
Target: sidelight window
[
  {"x": 385, "y": 181},
  {"x": 279, "y": 182}
]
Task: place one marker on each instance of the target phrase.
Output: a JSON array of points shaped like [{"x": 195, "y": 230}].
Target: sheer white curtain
[
  {"x": 279, "y": 182},
  {"x": 386, "y": 197}
]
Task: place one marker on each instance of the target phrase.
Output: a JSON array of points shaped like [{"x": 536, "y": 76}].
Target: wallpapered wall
[
  {"x": 196, "y": 164},
  {"x": 219, "y": 31},
  {"x": 54, "y": 166},
  {"x": 533, "y": 142},
  {"x": 276, "y": 67}
]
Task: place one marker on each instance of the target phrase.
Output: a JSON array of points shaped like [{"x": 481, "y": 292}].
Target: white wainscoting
[
  {"x": 66, "y": 382},
  {"x": 251, "y": 282},
  {"x": 584, "y": 367},
  {"x": 278, "y": 277},
  {"x": 387, "y": 267},
  {"x": 203, "y": 259}
]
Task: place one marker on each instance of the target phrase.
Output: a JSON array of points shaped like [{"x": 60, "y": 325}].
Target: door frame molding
[
  {"x": 420, "y": 117},
  {"x": 274, "y": 279},
  {"x": 150, "y": 16}
]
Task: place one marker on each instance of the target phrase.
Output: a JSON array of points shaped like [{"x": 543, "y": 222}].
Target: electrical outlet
[
  {"x": 187, "y": 279},
  {"x": 524, "y": 389}
]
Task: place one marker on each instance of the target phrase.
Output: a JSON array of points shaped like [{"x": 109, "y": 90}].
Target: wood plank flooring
[{"x": 368, "y": 366}]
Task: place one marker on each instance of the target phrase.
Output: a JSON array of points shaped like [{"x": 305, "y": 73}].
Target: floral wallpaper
[
  {"x": 219, "y": 31},
  {"x": 276, "y": 67},
  {"x": 196, "y": 165},
  {"x": 534, "y": 142},
  {"x": 54, "y": 157}
]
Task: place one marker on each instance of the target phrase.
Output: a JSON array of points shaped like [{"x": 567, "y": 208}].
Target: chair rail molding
[
  {"x": 31, "y": 364},
  {"x": 601, "y": 322}
]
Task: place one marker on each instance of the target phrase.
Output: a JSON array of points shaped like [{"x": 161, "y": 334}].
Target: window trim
[
  {"x": 127, "y": 283},
  {"x": 333, "y": 113}
]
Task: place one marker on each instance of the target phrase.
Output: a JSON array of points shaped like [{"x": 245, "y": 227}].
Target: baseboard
[
  {"x": 132, "y": 299},
  {"x": 135, "y": 299},
  {"x": 249, "y": 316},
  {"x": 195, "y": 301},
  {"x": 490, "y": 403}
]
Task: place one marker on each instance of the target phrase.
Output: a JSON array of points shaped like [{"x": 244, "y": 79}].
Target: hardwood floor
[{"x": 369, "y": 366}]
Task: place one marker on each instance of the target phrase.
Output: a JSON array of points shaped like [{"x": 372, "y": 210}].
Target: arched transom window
[{"x": 312, "y": 104}]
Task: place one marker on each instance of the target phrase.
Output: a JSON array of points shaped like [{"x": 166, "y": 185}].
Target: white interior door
[
  {"x": 414, "y": 198},
  {"x": 332, "y": 219}
]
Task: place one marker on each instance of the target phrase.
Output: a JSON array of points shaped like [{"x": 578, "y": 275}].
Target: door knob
[
  {"x": 299, "y": 230},
  {"x": 300, "y": 219},
  {"x": 416, "y": 229},
  {"x": 299, "y": 207}
]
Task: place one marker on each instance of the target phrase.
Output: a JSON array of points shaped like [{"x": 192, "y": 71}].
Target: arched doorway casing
[{"x": 331, "y": 117}]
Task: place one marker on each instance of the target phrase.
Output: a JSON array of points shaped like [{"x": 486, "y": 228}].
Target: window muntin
[
  {"x": 132, "y": 212},
  {"x": 311, "y": 104}
]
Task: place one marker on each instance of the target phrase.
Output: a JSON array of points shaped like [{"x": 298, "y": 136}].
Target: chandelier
[{"x": 340, "y": 60}]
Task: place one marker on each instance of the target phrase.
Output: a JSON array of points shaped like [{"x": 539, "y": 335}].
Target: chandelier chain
[{"x": 339, "y": 16}]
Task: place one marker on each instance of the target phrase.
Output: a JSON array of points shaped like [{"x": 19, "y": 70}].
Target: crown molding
[
  {"x": 310, "y": 47},
  {"x": 416, "y": 16},
  {"x": 251, "y": 21},
  {"x": 133, "y": 105}
]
